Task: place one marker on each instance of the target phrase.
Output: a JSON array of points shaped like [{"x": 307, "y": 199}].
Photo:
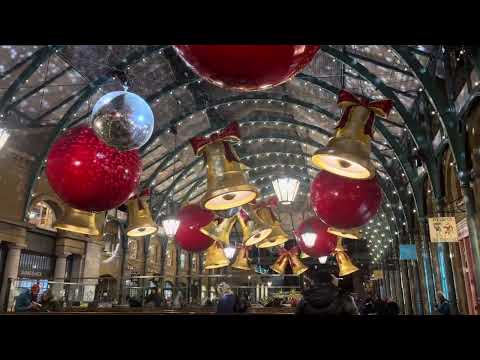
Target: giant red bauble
[
  {"x": 342, "y": 202},
  {"x": 247, "y": 67},
  {"x": 323, "y": 244},
  {"x": 188, "y": 236},
  {"x": 89, "y": 175}
]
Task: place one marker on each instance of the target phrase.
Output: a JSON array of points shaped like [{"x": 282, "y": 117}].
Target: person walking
[
  {"x": 443, "y": 306},
  {"x": 228, "y": 301},
  {"x": 324, "y": 298}
]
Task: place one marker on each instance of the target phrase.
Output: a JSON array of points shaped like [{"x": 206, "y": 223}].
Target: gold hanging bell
[
  {"x": 77, "y": 221},
  {"x": 140, "y": 222},
  {"x": 353, "y": 233},
  {"x": 227, "y": 184},
  {"x": 241, "y": 261},
  {"x": 219, "y": 229},
  {"x": 280, "y": 264},
  {"x": 253, "y": 230},
  {"x": 344, "y": 262},
  {"x": 215, "y": 257},
  {"x": 296, "y": 264},
  {"x": 277, "y": 236}
]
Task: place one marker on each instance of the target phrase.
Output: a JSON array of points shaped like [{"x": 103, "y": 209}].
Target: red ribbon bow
[
  {"x": 347, "y": 101},
  {"x": 230, "y": 133},
  {"x": 294, "y": 251}
]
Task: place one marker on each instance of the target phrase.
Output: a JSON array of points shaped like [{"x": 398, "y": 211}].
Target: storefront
[{"x": 34, "y": 268}]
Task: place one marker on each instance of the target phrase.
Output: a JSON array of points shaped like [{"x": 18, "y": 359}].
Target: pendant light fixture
[
  {"x": 170, "y": 222},
  {"x": 286, "y": 189}
]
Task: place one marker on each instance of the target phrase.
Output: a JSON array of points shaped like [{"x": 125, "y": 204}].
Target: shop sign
[
  {"x": 27, "y": 273},
  {"x": 462, "y": 229},
  {"x": 443, "y": 229},
  {"x": 408, "y": 252}
]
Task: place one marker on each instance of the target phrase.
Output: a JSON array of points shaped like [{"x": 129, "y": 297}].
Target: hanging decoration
[
  {"x": 266, "y": 214},
  {"x": 123, "y": 120},
  {"x": 140, "y": 222},
  {"x": 219, "y": 229},
  {"x": 227, "y": 185},
  {"x": 215, "y": 256},
  {"x": 353, "y": 233},
  {"x": 89, "y": 175},
  {"x": 241, "y": 261},
  {"x": 347, "y": 154},
  {"x": 289, "y": 257},
  {"x": 247, "y": 67},
  {"x": 188, "y": 236},
  {"x": 344, "y": 203},
  {"x": 313, "y": 238},
  {"x": 345, "y": 265},
  {"x": 286, "y": 189},
  {"x": 77, "y": 221},
  {"x": 253, "y": 228}
]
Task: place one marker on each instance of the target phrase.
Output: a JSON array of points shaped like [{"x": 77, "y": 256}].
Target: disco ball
[{"x": 123, "y": 120}]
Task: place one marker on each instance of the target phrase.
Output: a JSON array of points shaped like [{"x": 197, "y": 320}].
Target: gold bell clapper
[
  {"x": 296, "y": 264},
  {"x": 140, "y": 222},
  {"x": 215, "y": 257},
  {"x": 77, "y": 221},
  {"x": 227, "y": 182},
  {"x": 353, "y": 233},
  {"x": 348, "y": 152},
  {"x": 219, "y": 229},
  {"x": 241, "y": 261},
  {"x": 253, "y": 229},
  {"x": 280, "y": 264},
  {"x": 345, "y": 265}
]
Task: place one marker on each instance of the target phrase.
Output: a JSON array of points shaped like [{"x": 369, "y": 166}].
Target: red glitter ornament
[
  {"x": 342, "y": 202},
  {"x": 188, "y": 236},
  {"x": 313, "y": 238},
  {"x": 247, "y": 67},
  {"x": 89, "y": 175}
]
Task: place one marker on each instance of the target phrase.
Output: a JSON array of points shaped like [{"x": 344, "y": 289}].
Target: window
[
  {"x": 132, "y": 249},
  {"x": 182, "y": 261},
  {"x": 42, "y": 216}
]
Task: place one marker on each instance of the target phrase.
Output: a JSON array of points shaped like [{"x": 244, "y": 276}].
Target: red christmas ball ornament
[
  {"x": 313, "y": 238},
  {"x": 342, "y": 202},
  {"x": 89, "y": 175},
  {"x": 188, "y": 236},
  {"x": 247, "y": 67}
]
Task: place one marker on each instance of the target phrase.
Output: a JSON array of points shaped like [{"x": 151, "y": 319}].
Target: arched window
[{"x": 42, "y": 216}]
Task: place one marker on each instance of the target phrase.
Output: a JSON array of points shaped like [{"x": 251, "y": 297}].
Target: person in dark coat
[
  {"x": 368, "y": 307},
  {"x": 227, "y": 302},
  {"x": 154, "y": 298},
  {"x": 443, "y": 306},
  {"x": 49, "y": 302},
  {"x": 380, "y": 306},
  {"x": 324, "y": 298},
  {"x": 391, "y": 307},
  {"x": 24, "y": 302}
]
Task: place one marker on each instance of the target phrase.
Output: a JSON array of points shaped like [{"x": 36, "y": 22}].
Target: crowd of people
[{"x": 322, "y": 296}]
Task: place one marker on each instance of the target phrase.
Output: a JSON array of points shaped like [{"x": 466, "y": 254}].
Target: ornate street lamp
[{"x": 286, "y": 189}]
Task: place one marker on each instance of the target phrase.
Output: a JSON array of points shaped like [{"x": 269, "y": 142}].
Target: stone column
[
  {"x": 11, "y": 272},
  {"x": 59, "y": 275},
  {"x": 91, "y": 270}
]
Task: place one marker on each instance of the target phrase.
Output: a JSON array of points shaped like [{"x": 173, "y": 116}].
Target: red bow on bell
[
  {"x": 347, "y": 100},
  {"x": 230, "y": 133}
]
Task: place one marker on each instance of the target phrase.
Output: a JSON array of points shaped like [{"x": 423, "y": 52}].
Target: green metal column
[
  {"x": 406, "y": 288},
  {"x": 398, "y": 288}
]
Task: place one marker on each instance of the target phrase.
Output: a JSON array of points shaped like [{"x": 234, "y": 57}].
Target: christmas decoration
[
  {"x": 247, "y": 67},
  {"x": 220, "y": 229},
  {"x": 123, "y": 120},
  {"x": 289, "y": 257},
  {"x": 347, "y": 154},
  {"x": 344, "y": 203},
  {"x": 89, "y": 175},
  {"x": 241, "y": 261},
  {"x": 77, "y": 221},
  {"x": 313, "y": 238},
  {"x": 345, "y": 265},
  {"x": 227, "y": 185},
  {"x": 140, "y": 222},
  {"x": 254, "y": 230},
  {"x": 267, "y": 216},
  {"x": 215, "y": 257},
  {"x": 188, "y": 236}
]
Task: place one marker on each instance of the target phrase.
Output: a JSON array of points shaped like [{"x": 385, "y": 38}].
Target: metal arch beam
[
  {"x": 38, "y": 88},
  {"x": 379, "y": 63},
  {"x": 83, "y": 95},
  {"x": 454, "y": 127},
  {"x": 20, "y": 64},
  {"x": 37, "y": 60}
]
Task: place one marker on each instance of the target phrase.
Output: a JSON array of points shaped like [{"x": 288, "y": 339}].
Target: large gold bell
[
  {"x": 77, "y": 221},
  {"x": 227, "y": 184},
  {"x": 297, "y": 266},
  {"x": 241, "y": 262},
  {"x": 215, "y": 257},
  {"x": 348, "y": 152},
  {"x": 280, "y": 264},
  {"x": 277, "y": 236},
  {"x": 140, "y": 222},
  {"x": 253, "y": 230},
  {"x": 345, "y": 265},
  {"x": 219, "y": 229},
  {"x": 353, "y": 233}
]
